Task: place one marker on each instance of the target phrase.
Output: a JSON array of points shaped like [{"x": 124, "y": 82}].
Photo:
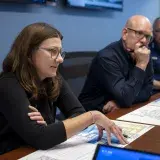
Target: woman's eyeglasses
[{"x": 54, "y": 52}]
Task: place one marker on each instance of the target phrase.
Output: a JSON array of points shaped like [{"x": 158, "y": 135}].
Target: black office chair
[{"x": 75, "y": 68}]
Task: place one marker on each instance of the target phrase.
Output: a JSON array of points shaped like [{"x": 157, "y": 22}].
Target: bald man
[
  {"x": 155, "y": 54},
  {"x": 121, "y": 73}
]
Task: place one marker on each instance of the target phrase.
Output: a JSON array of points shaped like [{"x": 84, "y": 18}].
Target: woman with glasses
[{"x": 31, "y": 88}]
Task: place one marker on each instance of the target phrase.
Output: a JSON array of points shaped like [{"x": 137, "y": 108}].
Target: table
[{"x": 150, "y": 141}]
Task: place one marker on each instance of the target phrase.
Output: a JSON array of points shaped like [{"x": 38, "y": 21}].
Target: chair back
[{"x": 75, "y": 68}]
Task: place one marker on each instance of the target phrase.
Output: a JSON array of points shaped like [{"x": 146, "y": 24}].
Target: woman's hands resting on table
[{"x": 102, "y": 122}]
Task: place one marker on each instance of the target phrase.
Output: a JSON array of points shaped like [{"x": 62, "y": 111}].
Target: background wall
[{"x": 82, "y": 29}]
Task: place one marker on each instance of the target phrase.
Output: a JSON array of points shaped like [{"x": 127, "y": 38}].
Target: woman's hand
[
  {"x": 36, "y": 116},
  {"x": 104, "y": 123}
]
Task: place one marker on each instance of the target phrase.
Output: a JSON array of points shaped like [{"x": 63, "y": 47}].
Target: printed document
[{"x": 148, "y": 114}]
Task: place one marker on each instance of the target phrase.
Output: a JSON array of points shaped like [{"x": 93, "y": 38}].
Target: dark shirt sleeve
[
  {"x": 14, "y": 106},
  {"x": 68, "y": 103},
  {"x": 123, "y": 89},
  {"x": 147, "y": 87}
]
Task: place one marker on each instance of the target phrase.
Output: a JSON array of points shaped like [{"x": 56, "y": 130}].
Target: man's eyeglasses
[
  {"x": 54, "y": 52},
  {"x": 141, "y": 34}
]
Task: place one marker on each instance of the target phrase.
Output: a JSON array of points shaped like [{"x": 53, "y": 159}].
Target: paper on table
[
  {"x": 79, "y": 147},
  {"x": 74, "y": 148},
  {"x": 132, "y": 130},
  {"x": 148, "y": 114},
  {"x": 82, "y": 145}
]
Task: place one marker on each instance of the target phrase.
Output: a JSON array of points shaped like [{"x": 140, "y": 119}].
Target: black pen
[{"x": 126, "y": 136}]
